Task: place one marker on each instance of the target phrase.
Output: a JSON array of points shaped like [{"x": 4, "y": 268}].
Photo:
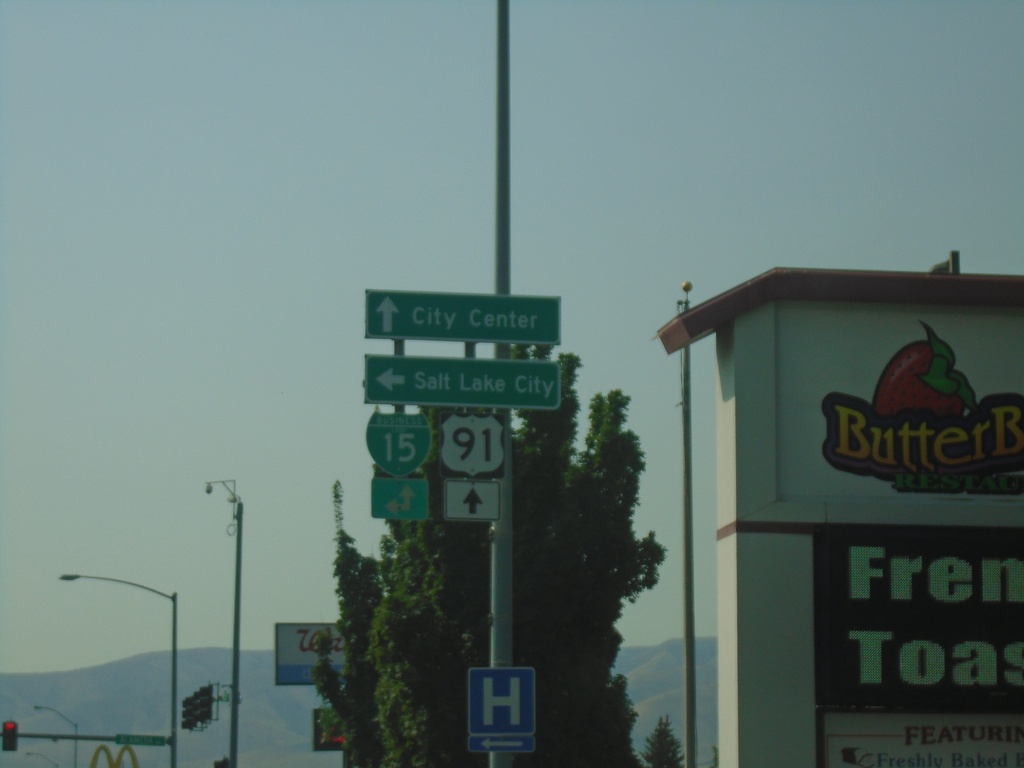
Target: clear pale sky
[{"x": 194, "y": 197}]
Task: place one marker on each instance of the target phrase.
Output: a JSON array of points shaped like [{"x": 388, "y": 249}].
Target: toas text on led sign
[{"x": 920, "y": 616}]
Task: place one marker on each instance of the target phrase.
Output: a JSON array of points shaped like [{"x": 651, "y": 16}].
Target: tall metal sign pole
[{"x": 501, "y": 539}]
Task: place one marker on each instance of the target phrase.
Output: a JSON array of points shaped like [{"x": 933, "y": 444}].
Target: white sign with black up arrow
[{"x": 472, "y": 500}]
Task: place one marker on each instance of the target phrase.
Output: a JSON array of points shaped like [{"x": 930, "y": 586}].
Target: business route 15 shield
[{"x": 398, "y": 442}]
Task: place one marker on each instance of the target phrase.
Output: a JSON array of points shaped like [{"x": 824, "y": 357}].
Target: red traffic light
[
  {"x": 10, "y": 736},
  {"x": 324, "y": 741}
]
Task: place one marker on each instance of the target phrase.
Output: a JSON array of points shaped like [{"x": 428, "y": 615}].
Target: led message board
[{"x": 920, "y": 616}]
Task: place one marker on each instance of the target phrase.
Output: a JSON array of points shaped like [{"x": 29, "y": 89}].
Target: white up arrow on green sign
[
  {"x": 483, "y": 317},
  {"x": 398, "y": 442},
  {"x": 528, "y": 384}
]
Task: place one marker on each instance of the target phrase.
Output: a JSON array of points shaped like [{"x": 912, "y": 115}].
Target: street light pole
[
  {"x": 173, "y": 597},
  {"x": 689, "y": 649},
  {"x": 68, "y": 719},
  {"x": 236, "y": 501}
]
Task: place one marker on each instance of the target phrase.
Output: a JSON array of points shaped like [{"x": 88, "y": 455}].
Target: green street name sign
[
  {"x": 527, "y": 384},
  {"x": 480, "y": 317},
  {"x": 140, "y": 741}
]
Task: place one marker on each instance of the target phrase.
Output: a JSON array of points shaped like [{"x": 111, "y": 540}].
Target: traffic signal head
[
  {"x": 204, "y": 704},
  {"x": 189, "y": 721},
  {"x": 326, "y": 740},
  {"x": 10, "y": 736}
]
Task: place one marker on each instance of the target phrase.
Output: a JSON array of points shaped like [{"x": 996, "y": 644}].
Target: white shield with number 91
[{"x": 472, "y": 445}]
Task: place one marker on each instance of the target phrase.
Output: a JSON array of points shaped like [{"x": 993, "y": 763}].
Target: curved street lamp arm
[
  {"x": 57, "y": 712},
  {"x": 74, "y": 576}
]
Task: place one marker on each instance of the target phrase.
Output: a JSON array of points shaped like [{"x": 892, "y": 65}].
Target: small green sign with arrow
[{"x": 394, "y": 498}]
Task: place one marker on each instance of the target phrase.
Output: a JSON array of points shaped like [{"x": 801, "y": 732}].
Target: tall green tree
[
  {"x": 576, "y": 561},
  {"x": 663, "y": 749},
  {"x": 360, "y": 591}
]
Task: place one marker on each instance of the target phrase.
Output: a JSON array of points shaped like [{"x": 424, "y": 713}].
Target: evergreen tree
[
  {"x": 416, "y": 619},
  {"x": 663, "y": 749}
]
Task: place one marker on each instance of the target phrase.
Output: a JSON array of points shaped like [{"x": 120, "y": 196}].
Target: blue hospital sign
[{"x": 502, "y": 709}]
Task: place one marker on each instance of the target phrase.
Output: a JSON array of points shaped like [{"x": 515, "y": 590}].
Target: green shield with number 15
[{"x": 398, "y": 442}]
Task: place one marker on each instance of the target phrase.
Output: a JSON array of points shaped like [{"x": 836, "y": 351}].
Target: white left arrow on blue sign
[{"x": 501, "y": 743}]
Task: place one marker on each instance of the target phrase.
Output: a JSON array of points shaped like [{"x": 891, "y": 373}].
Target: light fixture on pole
[
  {"x": 173, "y": 597},
  {"x": 236, "y": 502},
  {"x": 68, "y": 719}
]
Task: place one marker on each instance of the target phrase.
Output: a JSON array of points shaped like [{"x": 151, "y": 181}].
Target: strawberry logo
[
  {"x": 925, "y": 430},
  {"x": 923, "y": 376}
]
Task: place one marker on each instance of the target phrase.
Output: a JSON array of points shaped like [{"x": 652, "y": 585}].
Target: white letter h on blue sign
[
  {"x": 502, "y": 700},
  {"x": 492, "y": 701}
]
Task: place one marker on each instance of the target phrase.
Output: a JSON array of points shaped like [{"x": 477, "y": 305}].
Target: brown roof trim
[
  {"x": 782, "y": 284},
  {"x": 766, "y": 526}
]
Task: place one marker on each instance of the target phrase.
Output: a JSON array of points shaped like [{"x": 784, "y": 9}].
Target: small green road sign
[
  {"x": 140, "y": 741},
  {"x": 481, "y": 317},
  {"x": 398, "y": 442},
  {"x": 394, "y": 498},
  {"x": 528, "y": 384}
]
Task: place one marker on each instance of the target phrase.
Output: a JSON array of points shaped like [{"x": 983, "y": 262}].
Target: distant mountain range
[{"x": 275, "y": 722}]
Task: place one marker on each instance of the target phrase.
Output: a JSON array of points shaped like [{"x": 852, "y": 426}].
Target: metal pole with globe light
[
  {"x": 689, "y": 649},
  {"x": 173, "y": 597},
  {"x": 235, "y": 500},
  {"x": 68, "y": 719}
]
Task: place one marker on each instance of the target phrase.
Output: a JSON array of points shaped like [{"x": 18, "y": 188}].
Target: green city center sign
[
  {"x": 463, "y": 317},
  {"x": 399, "y": 380}
]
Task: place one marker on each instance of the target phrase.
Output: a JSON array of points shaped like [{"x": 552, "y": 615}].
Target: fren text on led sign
[{"x": 920, "y": 616}]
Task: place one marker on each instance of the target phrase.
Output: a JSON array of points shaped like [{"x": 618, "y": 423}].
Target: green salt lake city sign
[{"x": 399, "y": 380}]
